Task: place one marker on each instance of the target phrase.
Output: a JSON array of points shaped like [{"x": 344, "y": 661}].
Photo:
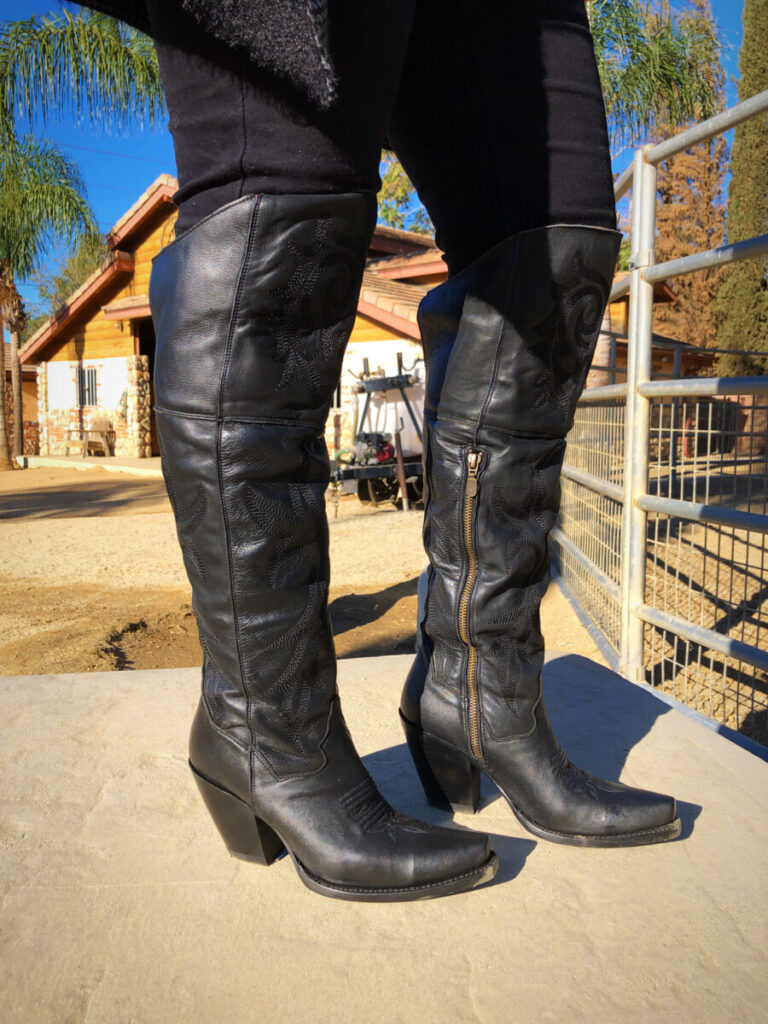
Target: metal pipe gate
[{"x": 662, "y": 535}]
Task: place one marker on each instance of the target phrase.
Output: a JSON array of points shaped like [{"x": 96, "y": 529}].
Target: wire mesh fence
[
  {"x": 703, "y": 450},
  {"x": 662, "y": 535},
  {"x": 590, "y": 520},
  {"x": 710, "y": 451}
]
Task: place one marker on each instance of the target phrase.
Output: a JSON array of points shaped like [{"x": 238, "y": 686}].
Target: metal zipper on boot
[{"x": 473, "y": 460}]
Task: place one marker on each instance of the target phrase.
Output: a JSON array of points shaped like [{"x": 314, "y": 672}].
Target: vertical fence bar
[
  {"x": 634, "y": 541},
  {"x": 673, "y": 428}
]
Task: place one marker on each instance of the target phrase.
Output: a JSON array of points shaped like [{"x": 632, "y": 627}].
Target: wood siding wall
[
  {"x": 368, "y": 330},
  {"x": 93, "y": 336}
]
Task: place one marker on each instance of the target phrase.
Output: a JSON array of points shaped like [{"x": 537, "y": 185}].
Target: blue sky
[{"x": 118, "y": 165}]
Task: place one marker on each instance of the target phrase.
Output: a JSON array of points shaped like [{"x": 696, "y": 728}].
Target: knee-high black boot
[
  {"x": 508, "y": 344},
  {"x": 253, "y": 308}
]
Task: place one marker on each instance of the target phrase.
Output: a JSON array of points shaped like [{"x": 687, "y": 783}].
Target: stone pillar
[
  {"x": 139, "y": 437},
  {"x": 42, "y": 407}
]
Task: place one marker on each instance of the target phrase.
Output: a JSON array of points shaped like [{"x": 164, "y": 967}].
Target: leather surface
[
  {"x": 334, "y": 819},
  {"x": 508, "y": 344},
  {"x": 253, "y": 308},
  {"x": 537, "y": 777}
]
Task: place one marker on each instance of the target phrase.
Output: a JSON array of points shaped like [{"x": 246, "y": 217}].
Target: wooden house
[{"x": 95, "y": 356}]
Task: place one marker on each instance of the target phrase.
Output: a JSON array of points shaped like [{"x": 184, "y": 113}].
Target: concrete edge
[{"x": 40, "y": 461}]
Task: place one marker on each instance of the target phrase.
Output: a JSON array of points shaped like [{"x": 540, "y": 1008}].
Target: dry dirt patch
[{"x": 91, "y": 577}]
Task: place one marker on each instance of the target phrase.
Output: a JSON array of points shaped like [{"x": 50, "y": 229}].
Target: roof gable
[
  {"x": 115, "y": 266},
  {"x": 159, "y": 195}
]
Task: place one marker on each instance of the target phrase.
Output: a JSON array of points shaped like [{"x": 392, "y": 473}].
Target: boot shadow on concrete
[
  {"x": 598, "y": 717},
  {"x": 396, "y": 777}
]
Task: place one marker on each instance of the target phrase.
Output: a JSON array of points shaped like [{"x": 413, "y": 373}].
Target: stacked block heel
[
  {"x": 245, "y": 835},
  {"x": 449, "y": 779}
]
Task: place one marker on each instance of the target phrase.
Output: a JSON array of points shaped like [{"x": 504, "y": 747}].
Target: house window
[{"x": 86, "y": 386}]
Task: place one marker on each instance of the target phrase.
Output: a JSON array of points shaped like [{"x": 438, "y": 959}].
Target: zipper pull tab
[{"x": 473, "y": 468}]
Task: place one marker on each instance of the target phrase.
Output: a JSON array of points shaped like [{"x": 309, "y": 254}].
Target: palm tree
[
  {"x": 11, "y": 312},
  {"x": 41, "y": 198},
  {"x": 67, "y": 64},
  {"x": 655, "y": 65},
  {"x": 658, "y": 72},
  {"x": 84, "y": 64}
]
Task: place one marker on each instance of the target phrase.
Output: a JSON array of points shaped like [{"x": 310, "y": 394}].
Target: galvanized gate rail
[{"x": 604, "y": 556}]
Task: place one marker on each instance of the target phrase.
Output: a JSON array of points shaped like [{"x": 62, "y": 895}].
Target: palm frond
[
  {"x": 42, "y": 199},
  {"x": 655, "y": 65},
  {"x": 81, "y": 64}
]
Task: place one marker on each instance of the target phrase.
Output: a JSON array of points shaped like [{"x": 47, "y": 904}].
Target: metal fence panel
[{"x": 663, "y": 533}]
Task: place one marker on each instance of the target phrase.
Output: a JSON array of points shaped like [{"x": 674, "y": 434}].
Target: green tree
[
  {"x": 78, "y": 65},
  {"x": 398, "y": 205},
  {"x": 741, "y": 307},
  {"x": 654, "y": 64},
  {"x": 63, "y": 65},
  {"x": 41, "y": 198}
]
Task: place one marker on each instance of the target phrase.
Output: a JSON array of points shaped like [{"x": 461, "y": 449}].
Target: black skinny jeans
[{"x": 494, "y": 108}]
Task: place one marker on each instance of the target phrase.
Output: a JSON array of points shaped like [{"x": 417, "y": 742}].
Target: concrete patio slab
[{"x": 120, "y": 904}]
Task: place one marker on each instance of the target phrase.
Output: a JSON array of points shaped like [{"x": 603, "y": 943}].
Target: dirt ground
[{"x": 91, "y": 577}]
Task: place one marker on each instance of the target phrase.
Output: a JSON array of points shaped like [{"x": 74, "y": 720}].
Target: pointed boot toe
[
  {"x": 608, "y": 815},
  {"x": 636, "y": 816},
  {"x": 452, "y": 854}
]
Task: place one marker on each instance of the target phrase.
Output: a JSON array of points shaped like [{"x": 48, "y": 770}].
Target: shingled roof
[
  {"x": 392, "y": 303},
  {"x": 412, "y": 264}
]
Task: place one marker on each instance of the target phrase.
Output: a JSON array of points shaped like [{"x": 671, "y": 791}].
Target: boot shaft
[
  {"x": 508, "y": 341},
  {"x": 253, "y": 308},
  {"x": 508, "y": 344}
]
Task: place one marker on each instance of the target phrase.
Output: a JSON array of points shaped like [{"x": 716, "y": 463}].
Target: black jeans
[{"x": 494, "y": 108}]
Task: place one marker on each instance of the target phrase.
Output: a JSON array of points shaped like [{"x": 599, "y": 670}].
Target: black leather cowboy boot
[
  {"x": 252, "y": 309},
  {"x": 508, "y": 344}
]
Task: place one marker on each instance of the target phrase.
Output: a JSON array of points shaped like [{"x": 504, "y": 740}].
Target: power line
[
  {"x": 114, "y": 188},
  {"x": 112, "y": 152}
]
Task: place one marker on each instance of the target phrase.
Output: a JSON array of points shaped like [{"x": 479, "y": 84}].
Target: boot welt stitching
[
  {"x": 423, "y": 887},
  {"x": 594, "y": 835}
]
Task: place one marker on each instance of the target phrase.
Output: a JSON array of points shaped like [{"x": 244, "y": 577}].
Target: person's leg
[
  {"x": 239, "y": 130},
  {"x": 500, "y": 121},
  {"x": 253, "y": 304},
  {"x": 514, "y": 169}
]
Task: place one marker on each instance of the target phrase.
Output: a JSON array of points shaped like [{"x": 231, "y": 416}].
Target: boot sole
[
  {"x": 451, "y": 780},
  {"x": 643, "y": 837},
  {"x": 250, "y": 838}
]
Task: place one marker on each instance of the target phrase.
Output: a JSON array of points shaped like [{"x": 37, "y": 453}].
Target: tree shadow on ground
[
  {"x": 377, "y": 622},
  {"x": 352, "y": 610},
  {"x": 89, "y": 498}
]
